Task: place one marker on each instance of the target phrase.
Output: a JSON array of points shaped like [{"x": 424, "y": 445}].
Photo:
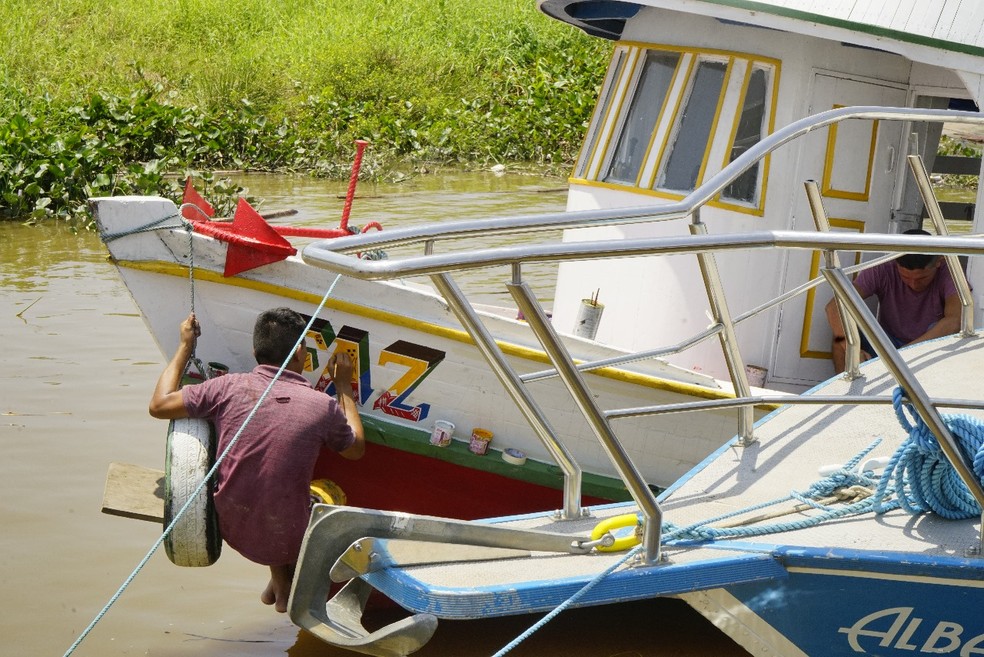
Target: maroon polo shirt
[{"x": 262, "y": 493}]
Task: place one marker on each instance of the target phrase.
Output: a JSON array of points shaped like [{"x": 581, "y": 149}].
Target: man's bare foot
[
  {"x": 268, "y": 597},
  {"x": 278, "y": 590}
]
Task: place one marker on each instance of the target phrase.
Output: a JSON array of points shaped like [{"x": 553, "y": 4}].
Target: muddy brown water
[{"x": 76, "y": 369}]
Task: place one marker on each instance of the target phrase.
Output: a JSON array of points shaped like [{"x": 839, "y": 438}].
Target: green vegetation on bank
[
  {"x": 104, "y": 98},
  {"x": 961, "y": 148}
]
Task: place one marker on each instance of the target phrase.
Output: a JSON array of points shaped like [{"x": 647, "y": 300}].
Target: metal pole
[
  {"x": 652, "y": 527},
  {"x": 918, "y": 169},
  {"x": 852, "y": 355},
  {"x": 729, "y": 341},
  {"x": 360, "y": 145},
  {"x": 514, "y": 386}
]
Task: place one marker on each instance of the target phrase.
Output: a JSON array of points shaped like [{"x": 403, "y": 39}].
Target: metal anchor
[{"x": 342, "y": 543}]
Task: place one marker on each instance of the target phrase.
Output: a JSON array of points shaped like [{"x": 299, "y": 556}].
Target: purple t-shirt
[
  {"x": 902, "y": 312},
  {"x": 262, "y": 493}
]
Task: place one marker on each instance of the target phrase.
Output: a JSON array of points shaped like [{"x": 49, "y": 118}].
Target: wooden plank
[
  {"x": 133, "y": 491},
  {"x": 903, "y": 10},
  {"x": 948, "y": 14},
  {"x": 962, "y": 31},
  {"x": 879, "y": 14},
  {"x": 924, "y": 18},
  {"x": 971, "y": 32}
]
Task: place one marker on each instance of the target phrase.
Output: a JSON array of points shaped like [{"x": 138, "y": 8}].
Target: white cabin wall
[
  {"x": 941, "y": 81},
  {"x": 651, "y": 302}
]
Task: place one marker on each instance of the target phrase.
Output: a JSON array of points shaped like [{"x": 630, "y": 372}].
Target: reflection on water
[{"x": 78, "y": 367}]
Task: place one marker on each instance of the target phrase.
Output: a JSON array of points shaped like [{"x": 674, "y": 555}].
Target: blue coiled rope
[
  {"x": 919, "y": 474},
  {"x": 918, "y": 478}
]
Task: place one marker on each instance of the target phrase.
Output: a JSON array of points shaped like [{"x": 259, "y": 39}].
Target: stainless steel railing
[
  {"x": 684, "y": 208},
  {"x": 336, "y": 255}
]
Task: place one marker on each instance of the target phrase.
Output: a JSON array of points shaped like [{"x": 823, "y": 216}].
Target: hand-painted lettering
[
  {"x": 354, "y": 342},
  {"x": 320, "y": 335},
  {"x": 419, "y": 361},
  {"x": 898, "y": 629}
]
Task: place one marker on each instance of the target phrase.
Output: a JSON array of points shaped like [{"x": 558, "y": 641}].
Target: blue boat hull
[{"x": 838, "y": 603}]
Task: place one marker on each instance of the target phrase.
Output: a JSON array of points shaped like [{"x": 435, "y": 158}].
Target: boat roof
[{"x": 946, "y": 33}]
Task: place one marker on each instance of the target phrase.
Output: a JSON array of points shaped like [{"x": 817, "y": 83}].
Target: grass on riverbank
[{"x": 102, "y": 98}]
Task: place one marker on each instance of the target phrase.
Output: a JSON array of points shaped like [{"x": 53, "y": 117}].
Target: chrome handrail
[
  {"x": 336, "y": 256},
  {"x": 439, "y": 265},
  {"x": 389, "y": 239},
  {"x": 956, "y": 271},
  {"x": 486, "y": 343},
  {"x": 427, "y": 265}
]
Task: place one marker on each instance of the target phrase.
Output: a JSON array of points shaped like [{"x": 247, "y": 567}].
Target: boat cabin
[{"x": 694, "y": 84}]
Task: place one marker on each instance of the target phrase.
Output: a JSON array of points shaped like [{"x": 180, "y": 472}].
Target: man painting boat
[
  {"x": 262, "y": 486},
  {"x": 917, "y": 301}
]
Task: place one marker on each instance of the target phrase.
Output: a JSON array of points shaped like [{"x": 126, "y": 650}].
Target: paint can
[
  {"x": 217, "y": 369},
  {"x": 588, "y": 318},
  {"x": 755, "y": 375},
  {"x": 514, "y": 456},
  {"x": 441, "y": 434},
  {"x": 480, "y": 439}
]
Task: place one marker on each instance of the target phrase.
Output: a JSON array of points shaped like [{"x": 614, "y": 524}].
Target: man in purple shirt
[
  {"x": 262, "y": 495},
  {"x": 917, "y": 301}
]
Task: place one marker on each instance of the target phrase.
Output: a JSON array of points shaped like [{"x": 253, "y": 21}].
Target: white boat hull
[{"x": 417, "y": 364}]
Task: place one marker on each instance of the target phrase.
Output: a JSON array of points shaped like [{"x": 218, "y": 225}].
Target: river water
[{"x": 78, "y": 367}]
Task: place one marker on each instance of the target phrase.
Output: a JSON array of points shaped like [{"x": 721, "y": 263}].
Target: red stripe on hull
[{"x": 393, "y": 480}]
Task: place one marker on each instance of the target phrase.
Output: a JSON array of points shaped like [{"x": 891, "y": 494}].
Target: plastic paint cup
[
  {"x": 480, "y": 439},
  {"x": 514, "y": 456},
  {"x": 217, "y": 369},
  {"x": 441, "y": 434}
]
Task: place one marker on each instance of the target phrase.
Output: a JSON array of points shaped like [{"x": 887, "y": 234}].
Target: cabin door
[{"x": 855, "y": 164}]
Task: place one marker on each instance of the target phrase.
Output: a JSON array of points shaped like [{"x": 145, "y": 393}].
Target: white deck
[
  {"x": 796, "y": 441},
  {"x": 792, "y": 445}
]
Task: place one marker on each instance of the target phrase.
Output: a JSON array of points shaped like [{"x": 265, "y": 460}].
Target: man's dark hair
[
  {"x": 916, "y": 260},
  {"x": 275, "y": 334}
]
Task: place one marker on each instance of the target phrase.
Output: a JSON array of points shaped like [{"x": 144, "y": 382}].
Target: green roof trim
[{"x": 897, "y": 35}]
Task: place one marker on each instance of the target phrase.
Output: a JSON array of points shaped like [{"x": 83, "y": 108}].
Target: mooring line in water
[
  {"x": 568, "y": 602},
  {"x": 208, "y": 476}
]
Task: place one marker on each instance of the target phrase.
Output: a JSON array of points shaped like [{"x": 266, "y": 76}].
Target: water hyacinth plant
[{"x": 128, "y": 97}]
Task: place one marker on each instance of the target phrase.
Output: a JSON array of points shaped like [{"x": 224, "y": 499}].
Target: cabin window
[
  {"x": 693, "y": 133},
  {"x": 602, "y": 111},
  {"x": 751, "y": 123},
  {"x": 633, "y": 143},
  {"x": 669, "y": 118}
]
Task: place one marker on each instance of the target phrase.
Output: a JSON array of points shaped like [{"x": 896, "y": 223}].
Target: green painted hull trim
[{"x": 417, "y": 441}]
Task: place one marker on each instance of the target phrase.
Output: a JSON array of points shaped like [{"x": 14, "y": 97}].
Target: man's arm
[
  {"x": 838, "y": 348},
  {"x": 834, "y": 319},
  {"x": 341, "y": 368},
  {"x": 166, "y": 403},
  {"x": 948, "y": 324}
]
